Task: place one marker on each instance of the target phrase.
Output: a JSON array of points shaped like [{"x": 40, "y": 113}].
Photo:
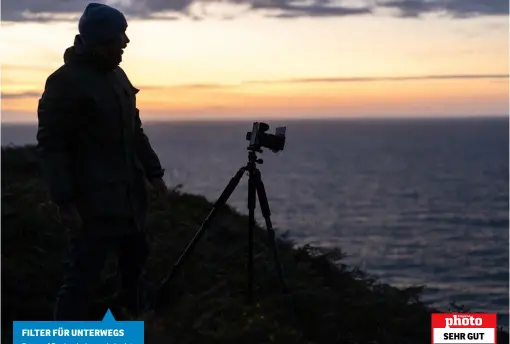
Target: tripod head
[
  {"x": 252, "y": 157},
  {"x": 259, "y": 138}
]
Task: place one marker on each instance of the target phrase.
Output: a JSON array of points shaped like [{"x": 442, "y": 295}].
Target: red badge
[{"x": 464, "y": 328}]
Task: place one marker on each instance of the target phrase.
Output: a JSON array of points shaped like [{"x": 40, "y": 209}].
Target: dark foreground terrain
[{"x": 329, "y": 302}]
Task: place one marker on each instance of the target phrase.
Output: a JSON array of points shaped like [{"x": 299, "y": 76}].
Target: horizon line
[{"x": 295, "y": 118}]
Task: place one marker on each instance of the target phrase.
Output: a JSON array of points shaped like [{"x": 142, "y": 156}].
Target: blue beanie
[{"x": 100, "y": 23}]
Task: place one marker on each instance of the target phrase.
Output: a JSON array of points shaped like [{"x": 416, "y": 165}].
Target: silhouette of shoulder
[
  {"x": 66, "y": 80},
  {"x": 64, "y": 94}
]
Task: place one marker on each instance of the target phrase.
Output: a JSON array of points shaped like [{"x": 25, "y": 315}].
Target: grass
[{"x": 329, "y": 301}]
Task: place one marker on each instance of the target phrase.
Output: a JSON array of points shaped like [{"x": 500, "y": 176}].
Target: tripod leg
[
  {"x": 252, "y": 200},
  {"x": 266, "y": 212},
  {"x": 222, "y": 200}
]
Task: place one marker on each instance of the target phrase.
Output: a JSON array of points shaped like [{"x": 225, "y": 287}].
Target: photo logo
[
  {"x": 464, "y": 328},
  {"x": 463, "y": 320}
]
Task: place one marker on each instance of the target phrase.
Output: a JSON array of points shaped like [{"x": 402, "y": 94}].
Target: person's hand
[
  {"x": 161, "y": 190},
  {"x": 70, "y": 218}
]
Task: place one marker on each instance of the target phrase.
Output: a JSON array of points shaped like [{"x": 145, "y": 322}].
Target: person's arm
[
  {"x": 145, "y": 153},
  {"x": 58, "y": 114}
]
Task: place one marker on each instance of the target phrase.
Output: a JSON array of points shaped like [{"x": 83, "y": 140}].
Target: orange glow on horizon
[
  {"x": 351, "y": 97},
  {"x": 251, "y": 65}
]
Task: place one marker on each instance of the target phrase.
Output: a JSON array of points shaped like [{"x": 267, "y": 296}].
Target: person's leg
[
  {"x": 86, "y": 260},
  {"x": 133, "y": 253}
]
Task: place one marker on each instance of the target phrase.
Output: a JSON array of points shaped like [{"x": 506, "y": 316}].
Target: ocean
[{"x": 412, "y": 202}]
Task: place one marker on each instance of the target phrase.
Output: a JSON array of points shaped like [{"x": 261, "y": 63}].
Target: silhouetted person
[{"x": 96, "y": 159}]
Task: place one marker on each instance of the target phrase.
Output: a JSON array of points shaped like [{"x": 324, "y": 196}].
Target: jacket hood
[
  {"x": 70, "y": 54},
  {"x": 78, "y": 53}
]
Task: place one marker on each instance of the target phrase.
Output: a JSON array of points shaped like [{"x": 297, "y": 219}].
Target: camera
[{"x": 259, "y": 138}]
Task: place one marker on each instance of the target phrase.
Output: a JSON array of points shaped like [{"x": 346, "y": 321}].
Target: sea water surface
[{"x": 413, "y": 202}]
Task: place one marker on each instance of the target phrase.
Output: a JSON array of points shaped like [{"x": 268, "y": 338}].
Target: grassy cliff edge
[{"x": 331, "y": 302}]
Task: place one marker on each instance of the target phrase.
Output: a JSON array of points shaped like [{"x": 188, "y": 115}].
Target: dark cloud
[
  {"x": 185, "y": 86},
  {"x": 389, "y": 78},
  {"x": 291, "y": 13},
  {"x": 34, "y": 10},
  {"x": 492, "y": 77},
  {"x": 31, "y": 94},
  {"x": 45, "y": 10},
  {"x": 319, "y": 8},
  {"x": 454, "y": 8}
]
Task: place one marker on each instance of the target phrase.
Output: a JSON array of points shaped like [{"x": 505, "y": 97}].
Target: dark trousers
[{"x": 87, "y": 257}]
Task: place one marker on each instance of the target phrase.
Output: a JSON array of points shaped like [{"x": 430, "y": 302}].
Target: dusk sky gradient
[{"x": 279, "y": 58}]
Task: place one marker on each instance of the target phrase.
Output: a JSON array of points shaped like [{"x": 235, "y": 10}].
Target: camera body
[{"x": 259, "y": 138}]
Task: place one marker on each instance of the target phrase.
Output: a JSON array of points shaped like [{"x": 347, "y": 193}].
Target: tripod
[{"x": 255, "y": 187}]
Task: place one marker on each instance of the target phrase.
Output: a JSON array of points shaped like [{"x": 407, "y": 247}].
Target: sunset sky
[{"x": 264, "y": 58}]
